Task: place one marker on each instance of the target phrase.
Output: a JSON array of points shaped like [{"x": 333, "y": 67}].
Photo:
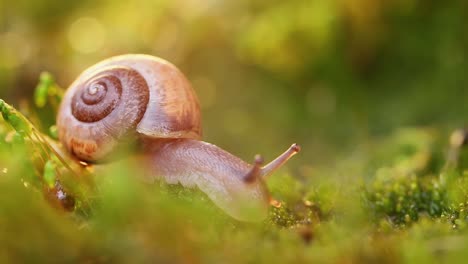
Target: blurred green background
[
  {"x": 326, "y": 74},
  {"x": 371, "y": 89}
]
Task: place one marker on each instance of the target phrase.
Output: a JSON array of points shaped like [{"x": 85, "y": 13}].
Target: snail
[{"x": 146, "y": 100}]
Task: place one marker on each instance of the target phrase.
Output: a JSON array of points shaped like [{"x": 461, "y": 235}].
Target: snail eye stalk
[
  {"x": 274, "y": 165},
  {"x": 256, "y": 170}
]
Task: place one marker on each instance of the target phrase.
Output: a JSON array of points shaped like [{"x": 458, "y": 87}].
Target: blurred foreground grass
[
  {"x": 370, "y": 89},
  {"x": 400, "y": 201}
]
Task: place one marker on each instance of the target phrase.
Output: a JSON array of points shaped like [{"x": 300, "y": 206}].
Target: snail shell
[{"x": 122, "y": 96}]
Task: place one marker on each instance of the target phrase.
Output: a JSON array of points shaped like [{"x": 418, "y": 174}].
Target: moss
[
  {"x": 403, "y": 199},
  {"x": 408, "y": 208}
]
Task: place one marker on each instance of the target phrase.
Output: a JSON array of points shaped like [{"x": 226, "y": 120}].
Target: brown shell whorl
[
  {"x": 104, "y": 109},
  {"x": 98, "y": 97},
  {"x": 135, "y": 94}
]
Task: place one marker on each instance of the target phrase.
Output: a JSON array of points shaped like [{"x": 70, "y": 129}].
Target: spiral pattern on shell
[
  {"x": 99, "y": 97},
  {"x": 123, "y": 97},
  {"x": 109, "y": 106}
]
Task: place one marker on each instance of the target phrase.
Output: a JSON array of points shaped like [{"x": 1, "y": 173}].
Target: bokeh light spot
[
  {"x": 86, "y": 35},
  {"x": 15, "y": 49}
]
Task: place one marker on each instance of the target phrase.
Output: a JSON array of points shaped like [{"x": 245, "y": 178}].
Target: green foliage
[
  {"x": 403, "y": 199},
  {"x": 49, "y": 174},
  {"x": 107, "y": 215},
  {"x": 370, "y": 89},
  {"x": 47, "y": 91},
  {"x": 15, "y": 119}
]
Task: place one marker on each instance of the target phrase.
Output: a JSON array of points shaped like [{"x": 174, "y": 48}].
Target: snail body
[{"x": 146, "y": 100}]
